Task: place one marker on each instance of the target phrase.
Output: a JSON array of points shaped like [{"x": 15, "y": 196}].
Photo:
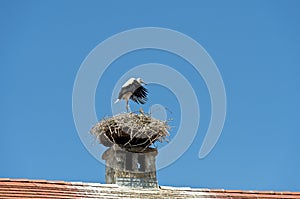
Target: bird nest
[{"x": 131, "y": 131}]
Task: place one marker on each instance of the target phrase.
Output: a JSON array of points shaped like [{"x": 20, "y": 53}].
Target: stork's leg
[{"x": 127, "y": 106}]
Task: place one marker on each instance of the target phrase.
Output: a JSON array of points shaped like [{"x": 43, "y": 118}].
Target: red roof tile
[{"x": 24, "y": 188}]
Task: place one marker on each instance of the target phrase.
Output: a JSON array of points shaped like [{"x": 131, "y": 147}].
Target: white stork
[{"x": 133, "y": 90}]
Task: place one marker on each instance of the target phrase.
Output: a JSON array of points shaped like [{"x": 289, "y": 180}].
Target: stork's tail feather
[{"x": 117, "y": 101}]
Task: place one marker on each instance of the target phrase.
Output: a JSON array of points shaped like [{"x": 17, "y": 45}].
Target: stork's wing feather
[
  {"x": 129, "y": 88},
  {"x": 140, "y": 95}
]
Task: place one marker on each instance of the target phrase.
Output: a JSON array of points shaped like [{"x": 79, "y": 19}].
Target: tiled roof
[{"x": 23, "y": 188}]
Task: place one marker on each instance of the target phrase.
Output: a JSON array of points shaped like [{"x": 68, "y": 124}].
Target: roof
[{"x": 24, "y": 188}]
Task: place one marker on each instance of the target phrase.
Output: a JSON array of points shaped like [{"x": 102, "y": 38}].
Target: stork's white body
[{"x": 130, "y": 81}]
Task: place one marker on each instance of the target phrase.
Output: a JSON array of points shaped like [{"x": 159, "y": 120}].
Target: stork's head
[{"x": 139, "y": 80}]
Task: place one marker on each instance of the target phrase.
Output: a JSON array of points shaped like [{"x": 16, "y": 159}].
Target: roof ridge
[{"x": 26, "y": 188}]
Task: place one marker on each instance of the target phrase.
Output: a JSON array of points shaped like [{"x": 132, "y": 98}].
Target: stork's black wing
[{"x": 140, "y": 95}]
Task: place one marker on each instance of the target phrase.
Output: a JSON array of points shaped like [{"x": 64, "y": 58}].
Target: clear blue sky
[{"x": 255, "y": 45}]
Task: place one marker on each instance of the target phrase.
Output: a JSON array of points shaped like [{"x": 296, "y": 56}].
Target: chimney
[
  {"x": 128, "y": 168},
  {"x": 130, "y": 159}
]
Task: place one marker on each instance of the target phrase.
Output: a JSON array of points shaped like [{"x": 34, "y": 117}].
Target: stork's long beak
[{"x": 143, "y": 82}]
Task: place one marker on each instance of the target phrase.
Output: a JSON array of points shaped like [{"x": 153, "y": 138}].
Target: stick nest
[{"x": 131, "y": 131}]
